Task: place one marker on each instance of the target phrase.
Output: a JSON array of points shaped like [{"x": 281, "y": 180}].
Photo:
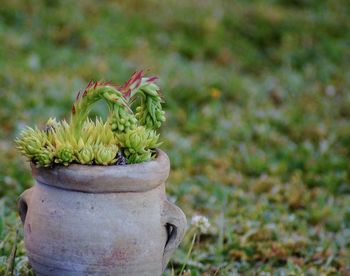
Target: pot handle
[
  {"x": 22, "y": 204},
  {"x": 175, "y": 224}
]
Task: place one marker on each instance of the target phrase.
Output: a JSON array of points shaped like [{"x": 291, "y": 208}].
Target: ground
[{"x": 258, "y": 108}]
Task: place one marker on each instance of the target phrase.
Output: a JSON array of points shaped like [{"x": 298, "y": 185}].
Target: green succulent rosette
[
  {"x": 64, "y": 155},
  {"x": 35, "y": 145},
  {"x": 105, "y": 155},
  {"x": 31, "y": 142},
  {"x": 138, "y": 144},
  {"x": 85, "y": 155},
  {"x": 44, "y": 158}
]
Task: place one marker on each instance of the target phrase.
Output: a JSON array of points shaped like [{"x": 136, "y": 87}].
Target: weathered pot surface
[{"x": 101, "y": 220}]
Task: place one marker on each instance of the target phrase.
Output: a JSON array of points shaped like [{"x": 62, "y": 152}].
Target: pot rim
[{"x": 139, "y": 177}]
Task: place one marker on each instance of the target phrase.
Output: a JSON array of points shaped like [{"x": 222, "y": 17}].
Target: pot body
[{"x": 99, "y": 233}]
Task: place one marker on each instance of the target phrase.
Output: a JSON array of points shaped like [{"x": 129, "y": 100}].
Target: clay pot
[{"x": 101, "y": 220}]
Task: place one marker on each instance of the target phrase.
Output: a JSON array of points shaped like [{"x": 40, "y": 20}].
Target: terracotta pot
[{"x": 101, "y": 220}]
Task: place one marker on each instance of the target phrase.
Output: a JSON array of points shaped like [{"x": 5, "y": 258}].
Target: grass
[{"x": 258, "y": 107}]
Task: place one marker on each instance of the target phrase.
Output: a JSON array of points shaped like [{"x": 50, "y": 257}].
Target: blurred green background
[{"x": 258, "y": 107}]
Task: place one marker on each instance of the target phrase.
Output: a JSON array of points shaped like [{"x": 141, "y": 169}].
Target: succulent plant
[
  {"x": 138, "y": 144},
  {"x": 44, "y": 158},
  {"x": 85, "y": 155},
  {"x": 35, "y": 145},
  {"x": 96, "y": 132},
  {"x": 64, "y": 154},
  {"x": 105, "y": 155},
  {"x": 127, "y": 136}
]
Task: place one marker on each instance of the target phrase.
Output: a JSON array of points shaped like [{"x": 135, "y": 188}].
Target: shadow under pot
[{"x": 101, "y": 220}]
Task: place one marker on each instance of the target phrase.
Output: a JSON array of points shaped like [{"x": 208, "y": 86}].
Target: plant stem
[
  {"x": 12, "y": 257},
  {"x": 188, "y": 253}
]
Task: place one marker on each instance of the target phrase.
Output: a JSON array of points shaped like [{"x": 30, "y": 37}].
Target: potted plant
[{"x": 99, "y": 206}]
